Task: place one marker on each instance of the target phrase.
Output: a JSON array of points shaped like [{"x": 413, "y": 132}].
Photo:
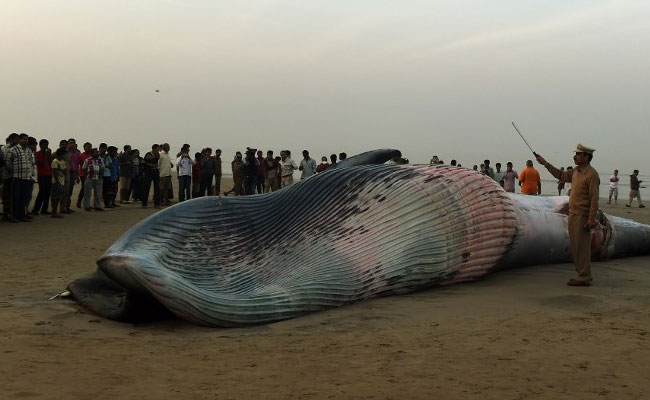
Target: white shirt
[
  {"x": 164, "y": 165},
  {"x": 308, "y": 168},
  {"x": 613, "y": 185},
  {"x": 288, "y": 166},
  {"x": 184, "y": 165}
]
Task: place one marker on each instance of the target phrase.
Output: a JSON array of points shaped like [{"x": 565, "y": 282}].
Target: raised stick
[{"x": 524, "y": 139}]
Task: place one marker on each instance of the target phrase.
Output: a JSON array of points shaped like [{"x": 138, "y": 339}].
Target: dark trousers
[
  {"x": 6, "y": 197},
  {"x": 73, "y": 180},
  {"x": 196, "y": 185},
  {"x": 30, "y": 191},
  {"x": 135, "y": 188},
  {"x": 81, "y": 191},
  {"x": 106, "y": 191},
  {"x": 217, "y": 184},
  {"x": 206, "y": 185},
  {"x": 249, "y": 185},
  {"x": 43, "y": 197},
  {"x": 184, "y": 182},
  {"x": 149, "y": 178},
  {"x": 19, "y": 189},
  {"x": 260, "y": 184}
]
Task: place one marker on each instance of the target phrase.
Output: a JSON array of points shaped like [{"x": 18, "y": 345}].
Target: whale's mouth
[{"x": 107, "y": 298}]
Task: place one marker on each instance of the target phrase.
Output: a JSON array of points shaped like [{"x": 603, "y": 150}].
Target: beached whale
[{"x": 346, "y": 235}]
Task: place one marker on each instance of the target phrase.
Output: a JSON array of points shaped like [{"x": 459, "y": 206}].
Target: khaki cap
[{"x": 584, "y": 149}]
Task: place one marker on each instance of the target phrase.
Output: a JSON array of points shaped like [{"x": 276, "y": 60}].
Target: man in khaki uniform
[{"x": 583, "y": 206}]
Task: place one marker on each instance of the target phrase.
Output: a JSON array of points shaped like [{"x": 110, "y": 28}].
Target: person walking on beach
[
  {"x": 613, "y": 187},
  {"x": 583, "y": 208},
  {"x": 635, "y": 185},
  {"x": 509, "y": 177},
  {"x": 529, "y": 180}
]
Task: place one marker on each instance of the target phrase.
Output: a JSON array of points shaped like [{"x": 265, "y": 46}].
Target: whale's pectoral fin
[
  {"x": 379, "y": 156},
  {"x": 106, "y": 298}
]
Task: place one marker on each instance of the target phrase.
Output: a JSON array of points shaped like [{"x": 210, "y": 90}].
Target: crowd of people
[{"x": 108, "y": 178}]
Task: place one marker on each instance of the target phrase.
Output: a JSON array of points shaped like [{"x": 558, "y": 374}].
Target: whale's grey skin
[
  {"x": 369, "y": 157},
  {"x": 338, "y": 237}
]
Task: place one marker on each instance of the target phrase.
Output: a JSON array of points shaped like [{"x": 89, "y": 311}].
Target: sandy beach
[{"x": 519, "y": 334}]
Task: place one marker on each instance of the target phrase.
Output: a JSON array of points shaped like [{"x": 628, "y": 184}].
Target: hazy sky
[{"x": 427, "y": 77}]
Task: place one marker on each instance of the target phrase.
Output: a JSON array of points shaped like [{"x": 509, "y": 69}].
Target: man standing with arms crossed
[{"x": 583, "y": 207}]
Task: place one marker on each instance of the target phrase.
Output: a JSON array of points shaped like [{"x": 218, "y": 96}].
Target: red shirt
[
  {"x": 261, "y": 168},
  {"x": 44, "y": 163},
  {"x": 83, "y": 158},
  {"x": 196, "y": 171}
]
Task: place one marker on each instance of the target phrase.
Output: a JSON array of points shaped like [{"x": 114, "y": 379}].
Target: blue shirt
[{"x": 108, "y": 164}]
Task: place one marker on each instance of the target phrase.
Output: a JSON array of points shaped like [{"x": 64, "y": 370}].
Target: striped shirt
[{"x": 20, "y": 163}]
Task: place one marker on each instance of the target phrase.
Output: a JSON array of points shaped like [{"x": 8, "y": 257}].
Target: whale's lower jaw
[{"x": 107, "y": 298}]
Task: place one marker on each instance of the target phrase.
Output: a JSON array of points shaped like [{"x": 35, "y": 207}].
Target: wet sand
[{"x": 519, "y": 334}]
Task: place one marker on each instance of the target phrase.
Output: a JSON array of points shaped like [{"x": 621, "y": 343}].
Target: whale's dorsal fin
[{"x": 379, "y": 156}]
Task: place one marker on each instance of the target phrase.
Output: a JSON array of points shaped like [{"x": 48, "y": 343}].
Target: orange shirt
[{"x": 529, "y": 180}]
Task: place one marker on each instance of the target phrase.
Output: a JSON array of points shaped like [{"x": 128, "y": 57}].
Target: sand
[{"x": 519, "y": 334}]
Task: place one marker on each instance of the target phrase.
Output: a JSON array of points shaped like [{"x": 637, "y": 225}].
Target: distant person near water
[
  {"x": 635, "y": 185},
  {"x": 509, "y": 177},
  {"x": 583, "y": 208},
  {"x": 529, "y": 180},
  {"x": 567, "y": 185},
  {"x": 487, "y": 170},
  {"x": 498, "y": 174},
  {"x": 613, "y": 187},
  {"x": 560, "y": 184}
]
